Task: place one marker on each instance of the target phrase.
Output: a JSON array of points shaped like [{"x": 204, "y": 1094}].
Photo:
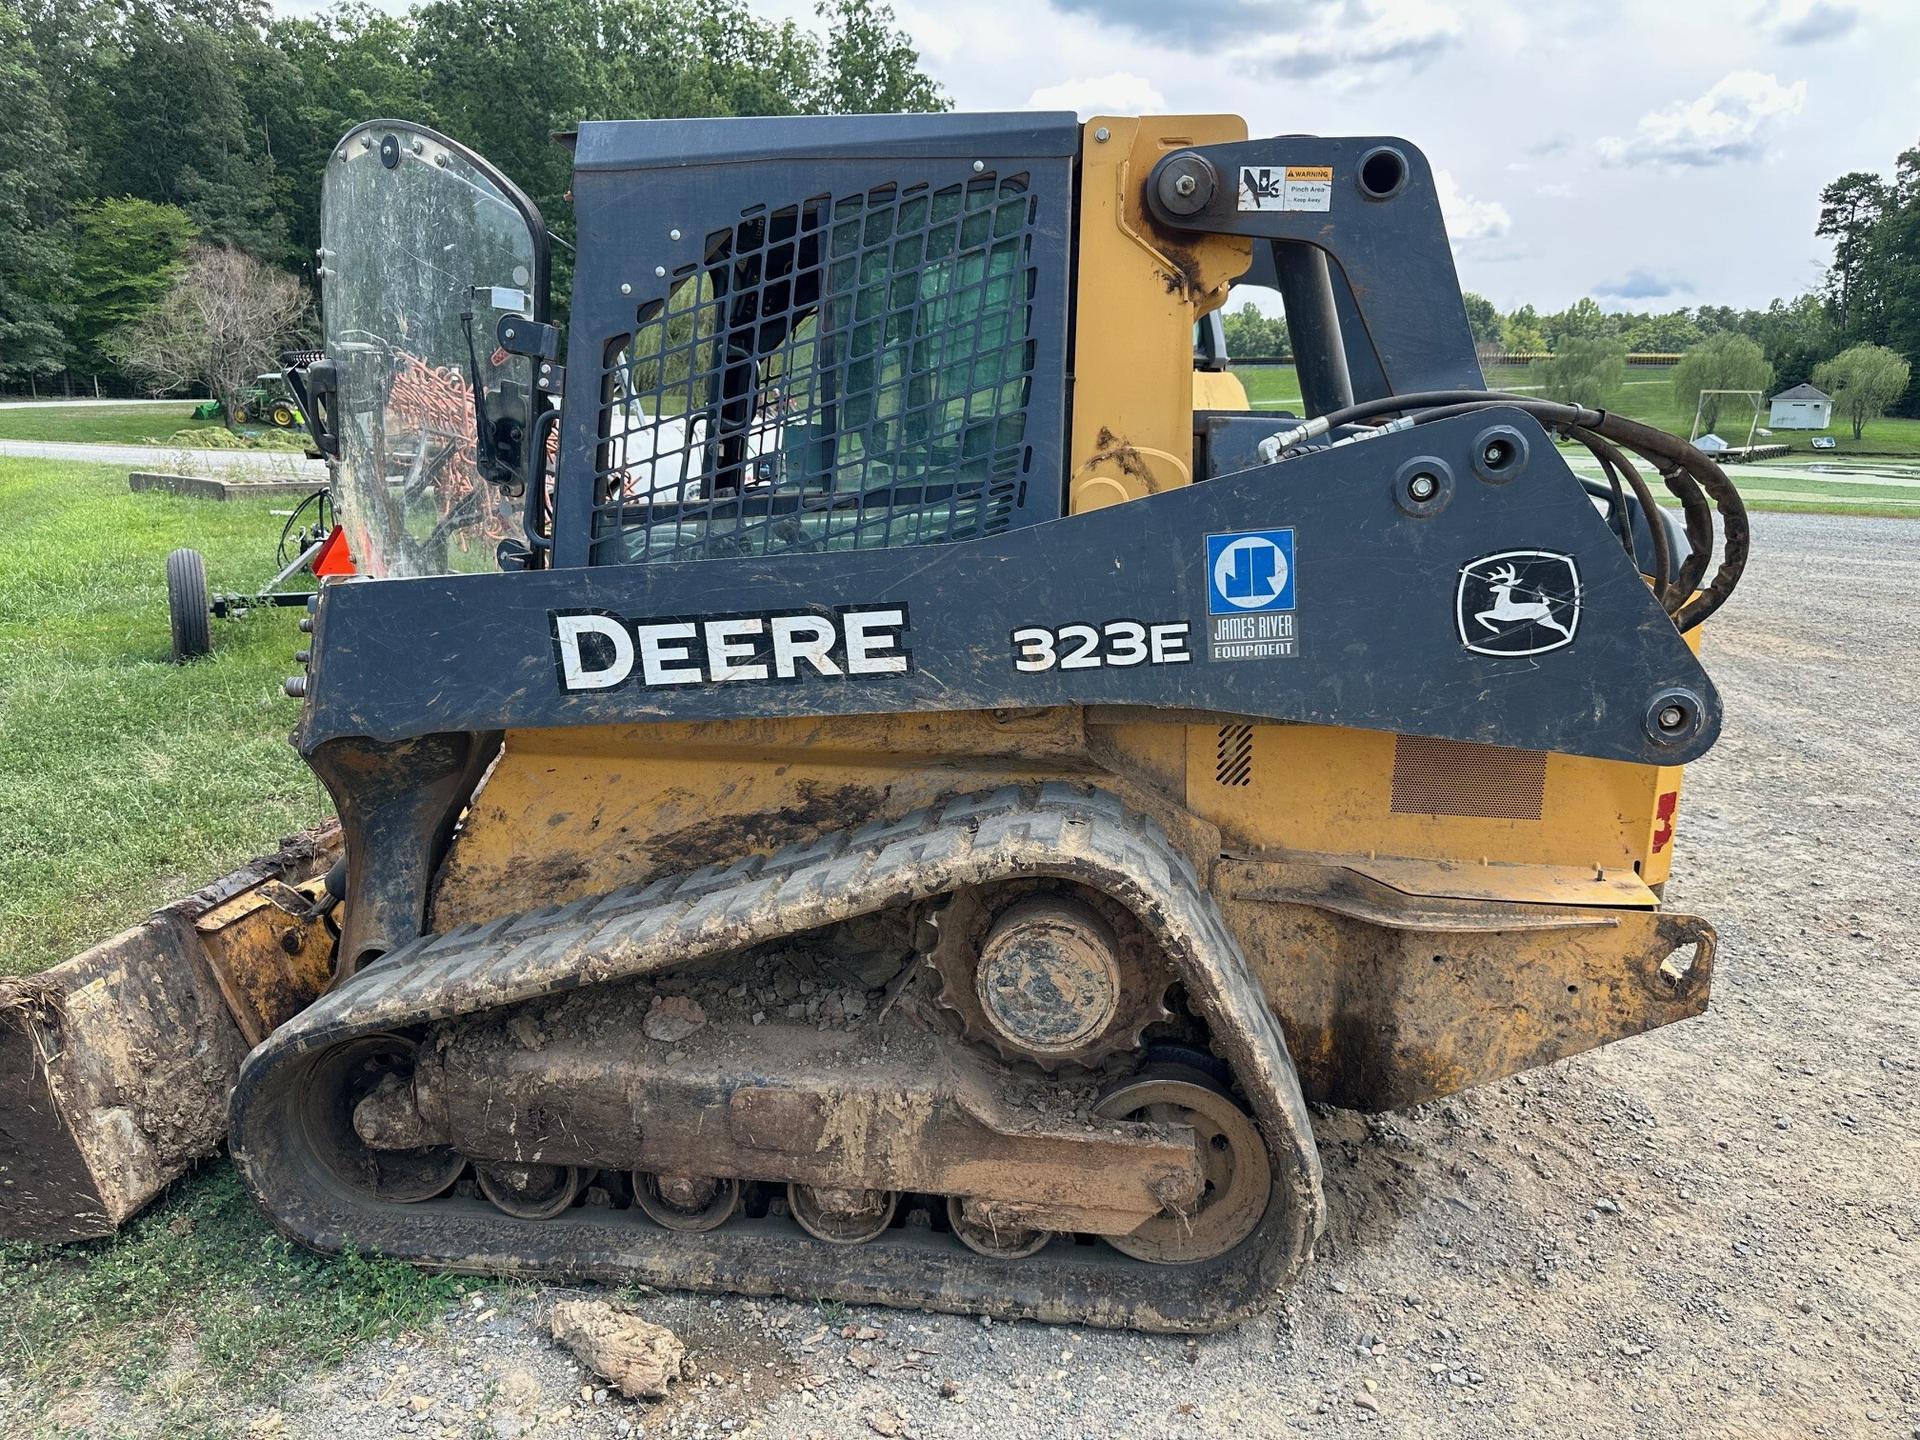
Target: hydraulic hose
[{"x": 1693, "y": 478}]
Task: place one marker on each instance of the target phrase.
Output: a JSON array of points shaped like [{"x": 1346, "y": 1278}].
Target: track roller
[
  {"x": 842, "y": 1217},
  {"x": 974, "y": 1222},
  {"x": 531, "y": 1192},
  {"x": 691, "y": 1204}
]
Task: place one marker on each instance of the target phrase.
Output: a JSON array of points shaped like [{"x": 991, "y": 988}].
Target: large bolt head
[{"x": 1184, "y": 184}]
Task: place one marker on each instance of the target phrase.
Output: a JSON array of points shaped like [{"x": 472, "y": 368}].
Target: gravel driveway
[{"x": 1713, "y": 1230}]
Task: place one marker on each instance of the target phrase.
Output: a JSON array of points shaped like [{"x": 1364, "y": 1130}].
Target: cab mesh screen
[{"x": 848, "y": 372}]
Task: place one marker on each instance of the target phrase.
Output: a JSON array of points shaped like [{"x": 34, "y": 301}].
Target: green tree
[
  {"x": 1483, "y": 320},
  {"x": 125, "y": 255},
  {"x": 1583, "y": 371},
  {"x": 1850, "y": 209},
  {"x": 1863, "y": 381},
  {"x": 1521, "y": 333},
  {"x": 184, "y": 80},
  {"x": 1659, "y": 334},
  {"x": 1582, "y": 320},
  {"x": 872, "y": 67},
  {"x": 351, "y": 63},
  {"x": 1251, "y": 334},
  {"x": 1796, "y": 335},
  {"x": 1725, "y": 361},
  {"x": 34, "y": 168}
]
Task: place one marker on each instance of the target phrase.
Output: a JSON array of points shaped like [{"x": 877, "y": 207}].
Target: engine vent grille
[
  {"x": 1233, "y": 755},
  {"x": 850, "y": 372},
  {"x": 1446, "y": 777}
]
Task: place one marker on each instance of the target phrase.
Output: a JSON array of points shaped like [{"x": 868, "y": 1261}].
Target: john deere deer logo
[{"x": 1519, "y": 602}]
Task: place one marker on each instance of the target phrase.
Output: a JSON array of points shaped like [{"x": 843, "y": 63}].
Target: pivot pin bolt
[
  {"x": 1423, "y": 487},
  {"x": 1672, "y": 717}
]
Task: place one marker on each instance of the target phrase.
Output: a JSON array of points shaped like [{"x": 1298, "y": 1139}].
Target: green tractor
[{"x": 265, "y": 402}]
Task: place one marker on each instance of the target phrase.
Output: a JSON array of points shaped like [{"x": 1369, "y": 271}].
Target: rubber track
[{"x": 704, "y": 916}]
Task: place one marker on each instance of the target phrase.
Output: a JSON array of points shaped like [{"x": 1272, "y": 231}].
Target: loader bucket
[{"x": 115, "y": 1067}]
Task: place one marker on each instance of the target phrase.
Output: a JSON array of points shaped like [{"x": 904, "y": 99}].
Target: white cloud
[
  {"x": 1119, "y": 93},
  {"x": 1349, "y": 43},
  {"x": 1469, "y": 221},
  {"x": 1733, "y": 121},
  {"x": 1803, "y": 22}
]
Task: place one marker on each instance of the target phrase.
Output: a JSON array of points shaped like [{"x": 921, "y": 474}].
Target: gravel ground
[{"x": 1713, "y": 1230}]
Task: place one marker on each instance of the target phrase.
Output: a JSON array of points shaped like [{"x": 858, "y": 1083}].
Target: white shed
[{"x": 1801, "y": 408}]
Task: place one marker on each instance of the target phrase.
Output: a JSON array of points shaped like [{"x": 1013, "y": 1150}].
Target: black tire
[
  {"x": 188, "y": 609},
  {"x": 283, "y": 417}
]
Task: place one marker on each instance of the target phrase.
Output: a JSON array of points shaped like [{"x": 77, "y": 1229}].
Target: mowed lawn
[
  {"x": 1649, "y": 397},
  {"x": 125, "y": 780},
  {"x": 99, "y": 424}
]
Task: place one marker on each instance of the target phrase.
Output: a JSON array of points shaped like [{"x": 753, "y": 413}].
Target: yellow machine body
[{"x": 1527, "y": 882}]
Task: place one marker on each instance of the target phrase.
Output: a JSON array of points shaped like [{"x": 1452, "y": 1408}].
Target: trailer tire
[{"x": 188, "y": 608}]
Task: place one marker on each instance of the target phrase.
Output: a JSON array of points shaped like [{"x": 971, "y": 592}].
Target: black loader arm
[
  {"x": 1497, "y": 609},
  {"x": 1359, "y": 250}
]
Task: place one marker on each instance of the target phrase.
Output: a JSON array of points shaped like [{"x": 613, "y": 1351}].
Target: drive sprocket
[{"x": 1047, "y": 974}]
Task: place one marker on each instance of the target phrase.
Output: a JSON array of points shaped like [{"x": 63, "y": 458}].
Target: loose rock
[
  {"x": 639, "y": 1358},
  {"x": 673, "y": 1017}
]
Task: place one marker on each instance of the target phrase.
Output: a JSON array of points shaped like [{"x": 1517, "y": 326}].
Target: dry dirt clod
[
  {"x": 526, "y": 1032},
  {"x": 639, "y": 1358},
  {"x": 885, "y": 1422},
  {"x": 673, "y": 1017}
]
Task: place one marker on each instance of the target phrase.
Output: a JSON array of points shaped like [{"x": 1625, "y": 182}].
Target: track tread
[{"x": 705, "y": 915}]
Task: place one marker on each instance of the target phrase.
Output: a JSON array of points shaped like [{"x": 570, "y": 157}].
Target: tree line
[{"x": 141, "y": 132}]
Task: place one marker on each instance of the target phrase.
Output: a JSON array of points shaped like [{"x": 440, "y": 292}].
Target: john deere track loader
[{"x": 864, "y": 772}]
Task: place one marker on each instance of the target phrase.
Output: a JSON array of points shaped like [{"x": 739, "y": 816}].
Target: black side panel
[{"x": 1316, "y": 589}]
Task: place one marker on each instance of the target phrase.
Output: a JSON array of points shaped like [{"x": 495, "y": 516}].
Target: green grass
[
  {"x": 97, "y": 424},
  {"x": 126, "y": 781},
  {"x": 1648, "y": 396},
  {"x": 200, "y": 1268},
  {"x": 139, "y": 425}
]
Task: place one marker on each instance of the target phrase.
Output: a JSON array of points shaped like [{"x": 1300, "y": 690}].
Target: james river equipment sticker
[
  {"x": 1250, "y": 590},
  {"x": 1286, "y": 187}
]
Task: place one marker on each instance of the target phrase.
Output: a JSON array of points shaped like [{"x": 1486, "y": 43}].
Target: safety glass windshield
[{"x": 422, "y": 253}]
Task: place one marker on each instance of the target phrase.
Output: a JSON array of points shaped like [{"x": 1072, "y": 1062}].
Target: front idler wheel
[
  {"x": 1238, "y": 1174},
  {"x": 842, "y": 1216},
  {"x": 360, "y": 1120},
  {"x": 531, "y": 1192}
]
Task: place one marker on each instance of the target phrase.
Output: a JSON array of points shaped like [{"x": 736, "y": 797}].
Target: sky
[{"x": 1650, "y": 153}]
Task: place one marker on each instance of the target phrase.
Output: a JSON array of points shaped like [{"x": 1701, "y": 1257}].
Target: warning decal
[{"x": 1286, "y": 187}]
